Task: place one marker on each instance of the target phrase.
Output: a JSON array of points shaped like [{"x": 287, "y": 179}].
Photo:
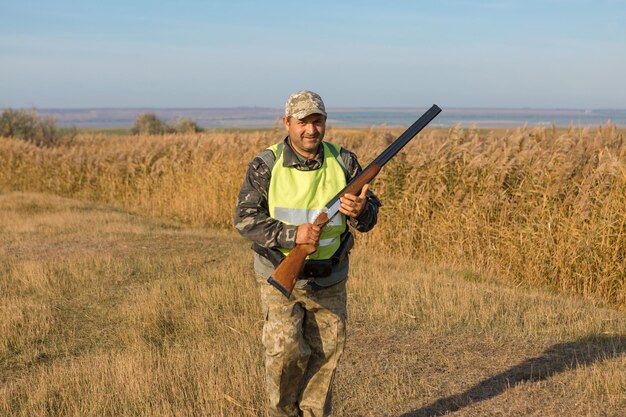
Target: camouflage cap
[{"x": 304, "y": 103}]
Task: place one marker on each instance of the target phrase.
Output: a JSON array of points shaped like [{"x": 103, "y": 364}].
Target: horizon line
[{"x": 336, "y": 108}]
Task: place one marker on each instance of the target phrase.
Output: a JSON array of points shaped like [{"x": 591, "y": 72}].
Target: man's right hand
[{"x": 308, "y": 234}]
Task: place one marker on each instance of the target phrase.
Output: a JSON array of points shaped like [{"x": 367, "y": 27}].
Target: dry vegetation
[
  {"x": 108, "y": 313},
  {"x": 533, "y": 207},
  {"x": 124, "y": 290}
]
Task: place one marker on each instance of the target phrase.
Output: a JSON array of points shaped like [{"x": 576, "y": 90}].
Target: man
[{"x": 284, "y": 189}]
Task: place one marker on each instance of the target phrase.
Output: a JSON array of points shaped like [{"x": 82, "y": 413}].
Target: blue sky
[{"x": 188, "y": 53}]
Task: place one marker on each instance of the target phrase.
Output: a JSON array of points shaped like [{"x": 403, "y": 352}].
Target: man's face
[{"x": 306, "y": 134}]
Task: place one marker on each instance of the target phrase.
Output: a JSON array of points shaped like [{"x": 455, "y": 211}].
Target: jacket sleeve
[
  {"x": 252, "y": 218},
  {"x": 368, "y": 218}
]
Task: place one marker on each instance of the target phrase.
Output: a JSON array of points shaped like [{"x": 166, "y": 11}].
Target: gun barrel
[
  {"x": 286, "y": 274},
  {"x": 333, "y": 205},
  {"x": 408, "y": 134}
]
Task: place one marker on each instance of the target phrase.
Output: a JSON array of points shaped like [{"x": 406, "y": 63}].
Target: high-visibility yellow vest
[{"x": 296, "y": 197}]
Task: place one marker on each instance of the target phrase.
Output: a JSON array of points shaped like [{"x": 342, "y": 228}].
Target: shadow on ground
[{"x": 556, "y": 359}]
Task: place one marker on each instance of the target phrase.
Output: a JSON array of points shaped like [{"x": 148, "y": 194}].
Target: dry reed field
[
  {"x": 533, "y": 207},
  {"x": 494, "y": 283}
]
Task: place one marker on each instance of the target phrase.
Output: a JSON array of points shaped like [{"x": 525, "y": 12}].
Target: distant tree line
[
  {"x": 150, "y": 124},
  {"x": 29, "y": 126},
  {"x": 42, "y": 131}
]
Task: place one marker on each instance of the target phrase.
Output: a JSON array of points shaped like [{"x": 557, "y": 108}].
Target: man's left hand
[{"x": 353, "y": 205}]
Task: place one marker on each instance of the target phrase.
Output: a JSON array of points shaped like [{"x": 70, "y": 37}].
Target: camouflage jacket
[{"x": 252, "y": 218}]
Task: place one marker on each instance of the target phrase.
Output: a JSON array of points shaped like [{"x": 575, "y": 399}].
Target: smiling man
[{"x": 284, "y": 189}]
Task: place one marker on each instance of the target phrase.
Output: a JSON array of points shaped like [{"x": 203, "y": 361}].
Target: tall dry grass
[{"x": 537, "y": 207}]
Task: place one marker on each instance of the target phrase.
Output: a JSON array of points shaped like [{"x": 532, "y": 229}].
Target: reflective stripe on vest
[{"x": 296, "y": 197}]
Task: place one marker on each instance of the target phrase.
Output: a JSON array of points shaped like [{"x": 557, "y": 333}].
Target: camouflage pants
[{"x": 304, "y": 338}]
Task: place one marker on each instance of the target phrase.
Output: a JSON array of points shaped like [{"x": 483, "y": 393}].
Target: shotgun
[{"x": 285, "y": 276}]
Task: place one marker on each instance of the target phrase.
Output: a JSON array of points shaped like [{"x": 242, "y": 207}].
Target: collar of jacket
[{"x": 292, "y": 159}]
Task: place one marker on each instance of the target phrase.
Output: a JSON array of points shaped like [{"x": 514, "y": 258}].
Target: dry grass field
[
  {"x": 494, "y": 284},
  {"x": 108, "y": 313}
]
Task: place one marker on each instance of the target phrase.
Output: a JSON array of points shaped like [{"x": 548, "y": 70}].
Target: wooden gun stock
[{"x": 285, "y": 276}]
